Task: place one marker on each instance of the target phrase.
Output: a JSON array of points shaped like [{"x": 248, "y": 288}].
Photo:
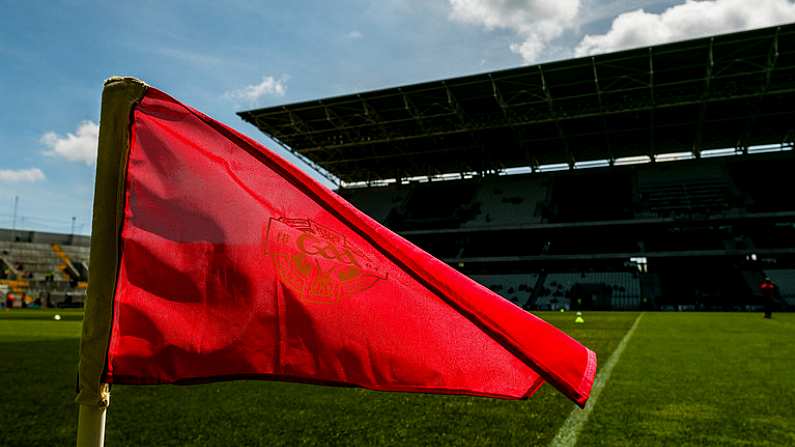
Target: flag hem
[
  {"x": 119, "y": 97},
  {"x": 415, "y": 389},
  {"x": 584, "y": 390}
]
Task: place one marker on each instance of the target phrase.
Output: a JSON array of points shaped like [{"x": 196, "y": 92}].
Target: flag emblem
[{"x": 318, "y": 264}]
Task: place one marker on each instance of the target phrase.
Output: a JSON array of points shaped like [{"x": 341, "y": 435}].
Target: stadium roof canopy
[{"x": 728, "y": 91}]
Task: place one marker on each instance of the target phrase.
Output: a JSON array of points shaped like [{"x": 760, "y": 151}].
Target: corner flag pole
[
  {"x": 91, "y": 421},
  {"x": 119, "y": 98}
]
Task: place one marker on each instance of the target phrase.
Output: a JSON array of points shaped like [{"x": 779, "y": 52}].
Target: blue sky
[{"x": 225, "y": 56}]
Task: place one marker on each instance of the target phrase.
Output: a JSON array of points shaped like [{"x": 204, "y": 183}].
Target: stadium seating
[
  {"x": 708, "y": 187},
  {"x": 584, "y": 225},
  {"x": 30, "y": 260},
  {"x": 516, "y": 288},
  {"x": 378, "y": 202},
  {"x": 34, "y": 268},
  {"x": 617, "y": 290},
  {"x": 716, "y": 212},
  {"x": 493, "y": 200},
  {"x": 592, "y": 195},
  {"x": 685, "y": 189},
  {"x": 764, "y": 185},
  {"x": 434, "y": 205},
  {"x": 508, "y": 200}
]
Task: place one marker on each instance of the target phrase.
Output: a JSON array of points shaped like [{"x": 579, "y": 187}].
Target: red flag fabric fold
[{"x": 236, "y": 264}]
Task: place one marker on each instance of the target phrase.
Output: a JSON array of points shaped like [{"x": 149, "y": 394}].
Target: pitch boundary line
[{"x": 571, "y": 428}]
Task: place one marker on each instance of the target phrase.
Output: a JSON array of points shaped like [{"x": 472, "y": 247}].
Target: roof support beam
[
  {"x": 783, "y": 91},
  {"x": 340, "y": 126},
  {"x": 548, "y": 97},
  {"x": 394, "y": 155},
  {"x": 702, "y": 111},
  {"x": 630, "y": 107},
  {"x": 772, "y": 59},
  {"x": 652, "y": 138},
  {"x": 412, "y": 110},
  {"x": 463, "y": 118},
  {"x": 507, "y": 115},
  {"x": 317, "y": 167},
  {"x": 455, "y": 106},
  {"x": 372, "y": 116},
  {"x": 610, "y": 157},
  {"x": 303, "y": 128},
  {"x": 374, "y": 119}
]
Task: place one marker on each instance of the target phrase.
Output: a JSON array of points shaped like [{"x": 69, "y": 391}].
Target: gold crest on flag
[{"x": 316, "y": 263}]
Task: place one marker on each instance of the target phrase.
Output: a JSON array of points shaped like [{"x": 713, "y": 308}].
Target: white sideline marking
[{"x": 568, "y": 433}]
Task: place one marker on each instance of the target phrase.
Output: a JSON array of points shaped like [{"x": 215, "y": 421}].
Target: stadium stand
[
  {"x": 494, "y": 200},
  {"x": 37, "y": 265},
  {"x": 764, "y": 186},
  {"x": 605, "y": 290},
  {"x": 508, "y": 200},
  {"x": 427, "y": 205},
  {"x": 517, "y": 288},
  {"x": 655, "y": 177},
  {"x": 592, "y": 196},
  {"x": 380, "y": 201},
  {"x": 685, "y": 189}
]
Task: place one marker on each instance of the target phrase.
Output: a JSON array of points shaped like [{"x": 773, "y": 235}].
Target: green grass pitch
[{"x": 684, "y": 379}]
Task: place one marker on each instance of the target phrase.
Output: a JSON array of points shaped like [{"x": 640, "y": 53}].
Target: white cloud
[
  {"x": 684, "y": 21},
  {"x": 536, "y": 22},
  {"x": 79, "y": 146},
  {"x": 21, "y": 175},
  {"x": 269, "y": 86},
  {"x": 601, "y": 10},
  {"x": 355, "y": 34}
]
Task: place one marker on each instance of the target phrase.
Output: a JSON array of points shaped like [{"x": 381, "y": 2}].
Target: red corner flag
[{"x": 215, "y": 259}]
